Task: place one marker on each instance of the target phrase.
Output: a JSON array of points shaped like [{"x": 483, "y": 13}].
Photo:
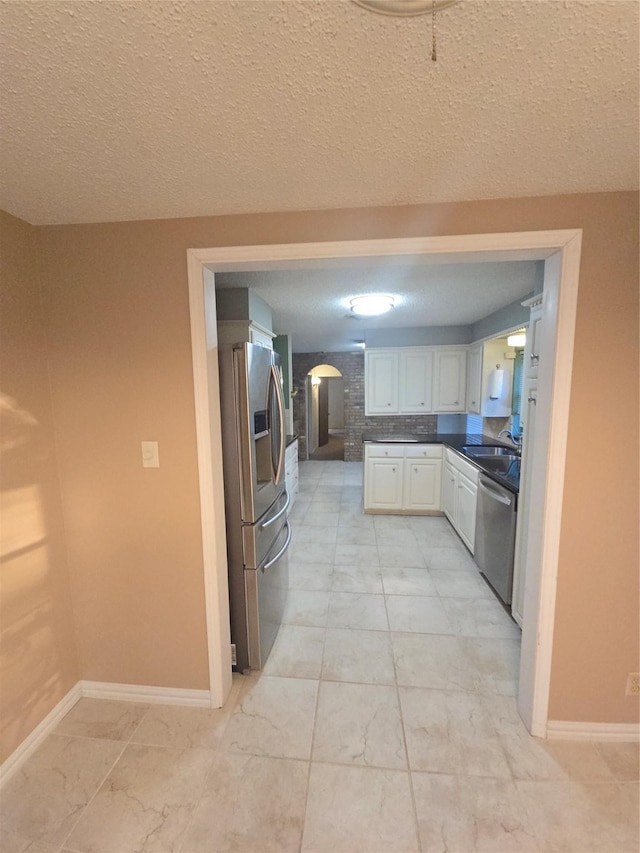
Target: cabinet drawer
[
  {"x": 385, "y": 451},
  {"x": 423, "y": 451},
  {"x": 456, "y": 461},
  {"x": 291, "y": 452}
]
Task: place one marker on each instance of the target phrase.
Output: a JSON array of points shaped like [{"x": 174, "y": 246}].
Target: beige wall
[
  {"x": 116, "y": 305},
  {"x": 37, "y": 646}
]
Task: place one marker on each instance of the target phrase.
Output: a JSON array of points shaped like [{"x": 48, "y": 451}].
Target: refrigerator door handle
[
  {"x": 281, "y": 551},
  {"x": 276, "y": 383},
  {"x": 279, "y": 513}
]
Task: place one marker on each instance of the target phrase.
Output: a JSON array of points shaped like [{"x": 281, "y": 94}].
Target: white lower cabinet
[
  {"x": 459, "y": 496},
  {"x": 291, "y": 472},
  {"x": 384, "y": 484},
  {"x": 450, "y": 492},
  {"x": 422, "y": 484},
  {"x": 467, "y": 499},
  {"x": 403, "y": 478}
]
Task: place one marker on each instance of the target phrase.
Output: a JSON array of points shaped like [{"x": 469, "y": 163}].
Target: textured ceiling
[
  {"x": 148, "y": 109},
  {"x": 312, "y": 304}
]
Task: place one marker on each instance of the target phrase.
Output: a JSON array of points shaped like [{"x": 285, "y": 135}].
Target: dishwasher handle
[{"x": 495, "y": 495}]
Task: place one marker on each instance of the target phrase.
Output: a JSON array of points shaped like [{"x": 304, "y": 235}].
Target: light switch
[{"x": 150, "y": 458}]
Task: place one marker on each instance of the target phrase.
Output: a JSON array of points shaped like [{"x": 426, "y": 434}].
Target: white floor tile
[
  {"x": 274, "y": 718},
  {"x": 451, "y": 729},
  {"x": 358, "y": 656},
  {"x": 306, "y": 607},
  {"x": 359, "y": 724},
  {"x": 481, "y": 782},
  {"x": 417, "y": 614},
  {"x": 146, "y": 802},
  {"x": 251, "y": 804},
  {"x": 359, "y": 810},
  {"x": 407, "y": 582},
  {"x": 357, "y": 610},
  {"x": 297, "y": 652}
]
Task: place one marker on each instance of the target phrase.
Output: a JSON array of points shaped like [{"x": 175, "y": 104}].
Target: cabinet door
[
  {"x": 474, "y": 379},
  {"x": 261, "y": 338},
  {"x": 383, "y": 484},
  {"x": 450, "y": 492},
  {"x": 467, "y": 498},
  {"x": 415, "y": 382},
  {"x": 381, "y": 383},
  {"x": 422, "y": 484},
  {"x": 534, "y": 339},
  {"x": 449, "y": 380},
  {"x": 528, "y": 421}
]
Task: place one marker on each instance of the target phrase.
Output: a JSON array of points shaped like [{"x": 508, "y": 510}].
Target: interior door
[{"x": 323, "y": 412}]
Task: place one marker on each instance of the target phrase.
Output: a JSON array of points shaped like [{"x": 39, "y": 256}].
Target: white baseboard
[
  {"x": 620, "y": 732},
  {"x": 145, "y": 694},
  {"x": 41, "y": 731},
  {"x": 100, "y": 690}
]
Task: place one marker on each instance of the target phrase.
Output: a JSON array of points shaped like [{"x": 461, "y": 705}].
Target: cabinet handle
[
  {"x": 473, "y": 402},
  {"x": 532, "y": 400},
  {"x": 456, "y": 403},
  {"x": 388, "y": 404},
  {"x": 415, "y": 468},
  {"x": 394, "y": 469},
  {"x": 534, "y": 357},
  {"x": 422, "y": 404}
]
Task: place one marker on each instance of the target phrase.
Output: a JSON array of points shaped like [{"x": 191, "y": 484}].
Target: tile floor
[{"x": 384, "y": 721}]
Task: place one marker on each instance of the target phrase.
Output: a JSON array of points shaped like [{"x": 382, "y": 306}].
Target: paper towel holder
[{"x": 495, "y": 383}]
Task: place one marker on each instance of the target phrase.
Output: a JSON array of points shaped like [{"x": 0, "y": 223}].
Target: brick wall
[{"x": 351, "y": 366}]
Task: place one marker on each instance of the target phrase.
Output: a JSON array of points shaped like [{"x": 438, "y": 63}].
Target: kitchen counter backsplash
[{"x": 392, "y": 425}]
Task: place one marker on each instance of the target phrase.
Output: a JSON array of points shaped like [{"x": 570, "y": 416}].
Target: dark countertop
[
  {"x": 456, "y": 441},
  {"x": 289, "y": 439}
]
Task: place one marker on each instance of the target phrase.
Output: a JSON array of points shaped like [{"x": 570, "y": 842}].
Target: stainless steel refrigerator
[{"x": 256, "y": 500}]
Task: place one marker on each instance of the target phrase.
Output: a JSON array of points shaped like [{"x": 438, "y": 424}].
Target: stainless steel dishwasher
[{"x": 496, "y": 535}]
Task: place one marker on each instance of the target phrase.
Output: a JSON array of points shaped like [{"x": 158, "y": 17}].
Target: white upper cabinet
[
  {"x": 449, "y": 379},
  {"x": 534, "y": 337},
  {"x": 474, "y": 379},
  {"x": 381, "y": 382},
  {"x": 415, "y": 381},
  {"x": 489, "y": 379}
]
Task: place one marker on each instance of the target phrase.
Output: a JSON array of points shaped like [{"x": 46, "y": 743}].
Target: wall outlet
[{"x": 633, "y": 684}]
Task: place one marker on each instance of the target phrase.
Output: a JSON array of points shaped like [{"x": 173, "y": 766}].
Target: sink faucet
[{"x": 514, "y": 439}]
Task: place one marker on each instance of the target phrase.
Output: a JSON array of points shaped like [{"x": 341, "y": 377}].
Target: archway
[{"x": 324, "y": 389}]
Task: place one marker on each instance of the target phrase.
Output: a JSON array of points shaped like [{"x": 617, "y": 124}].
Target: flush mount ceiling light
[
  {"x": 407, "y": 9},
  {"x": 517, "y": 339},
  {"x": 372, "y": 304}
]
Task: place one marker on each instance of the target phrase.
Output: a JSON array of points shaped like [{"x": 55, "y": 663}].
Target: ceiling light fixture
[
  {"x": 517, "y": 339},
  {"x": 409, "y": 8},
  {"x": 372, "y": 304},
  {"x": 404, "y": 8}
]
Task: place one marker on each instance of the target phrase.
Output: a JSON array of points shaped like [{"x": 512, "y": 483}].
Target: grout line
[
  {"x": 95, "y": 794},
  {"x": 404, "y": 739},
  {"x": 313, "y": 738}
]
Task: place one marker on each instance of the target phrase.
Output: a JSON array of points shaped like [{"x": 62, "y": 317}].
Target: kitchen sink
[
  {"x": 499, "y": 464},
  {"x": 485, "y": 450}
]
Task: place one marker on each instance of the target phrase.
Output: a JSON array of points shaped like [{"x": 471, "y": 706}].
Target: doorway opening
[
  {"x": 560, "y": 251},
  {"x": 325, "y": 428}
]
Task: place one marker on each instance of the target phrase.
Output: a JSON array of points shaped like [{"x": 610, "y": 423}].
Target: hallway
[
  {"x": 332, "y": 451},
  {"x": 384, "y": 722}
]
